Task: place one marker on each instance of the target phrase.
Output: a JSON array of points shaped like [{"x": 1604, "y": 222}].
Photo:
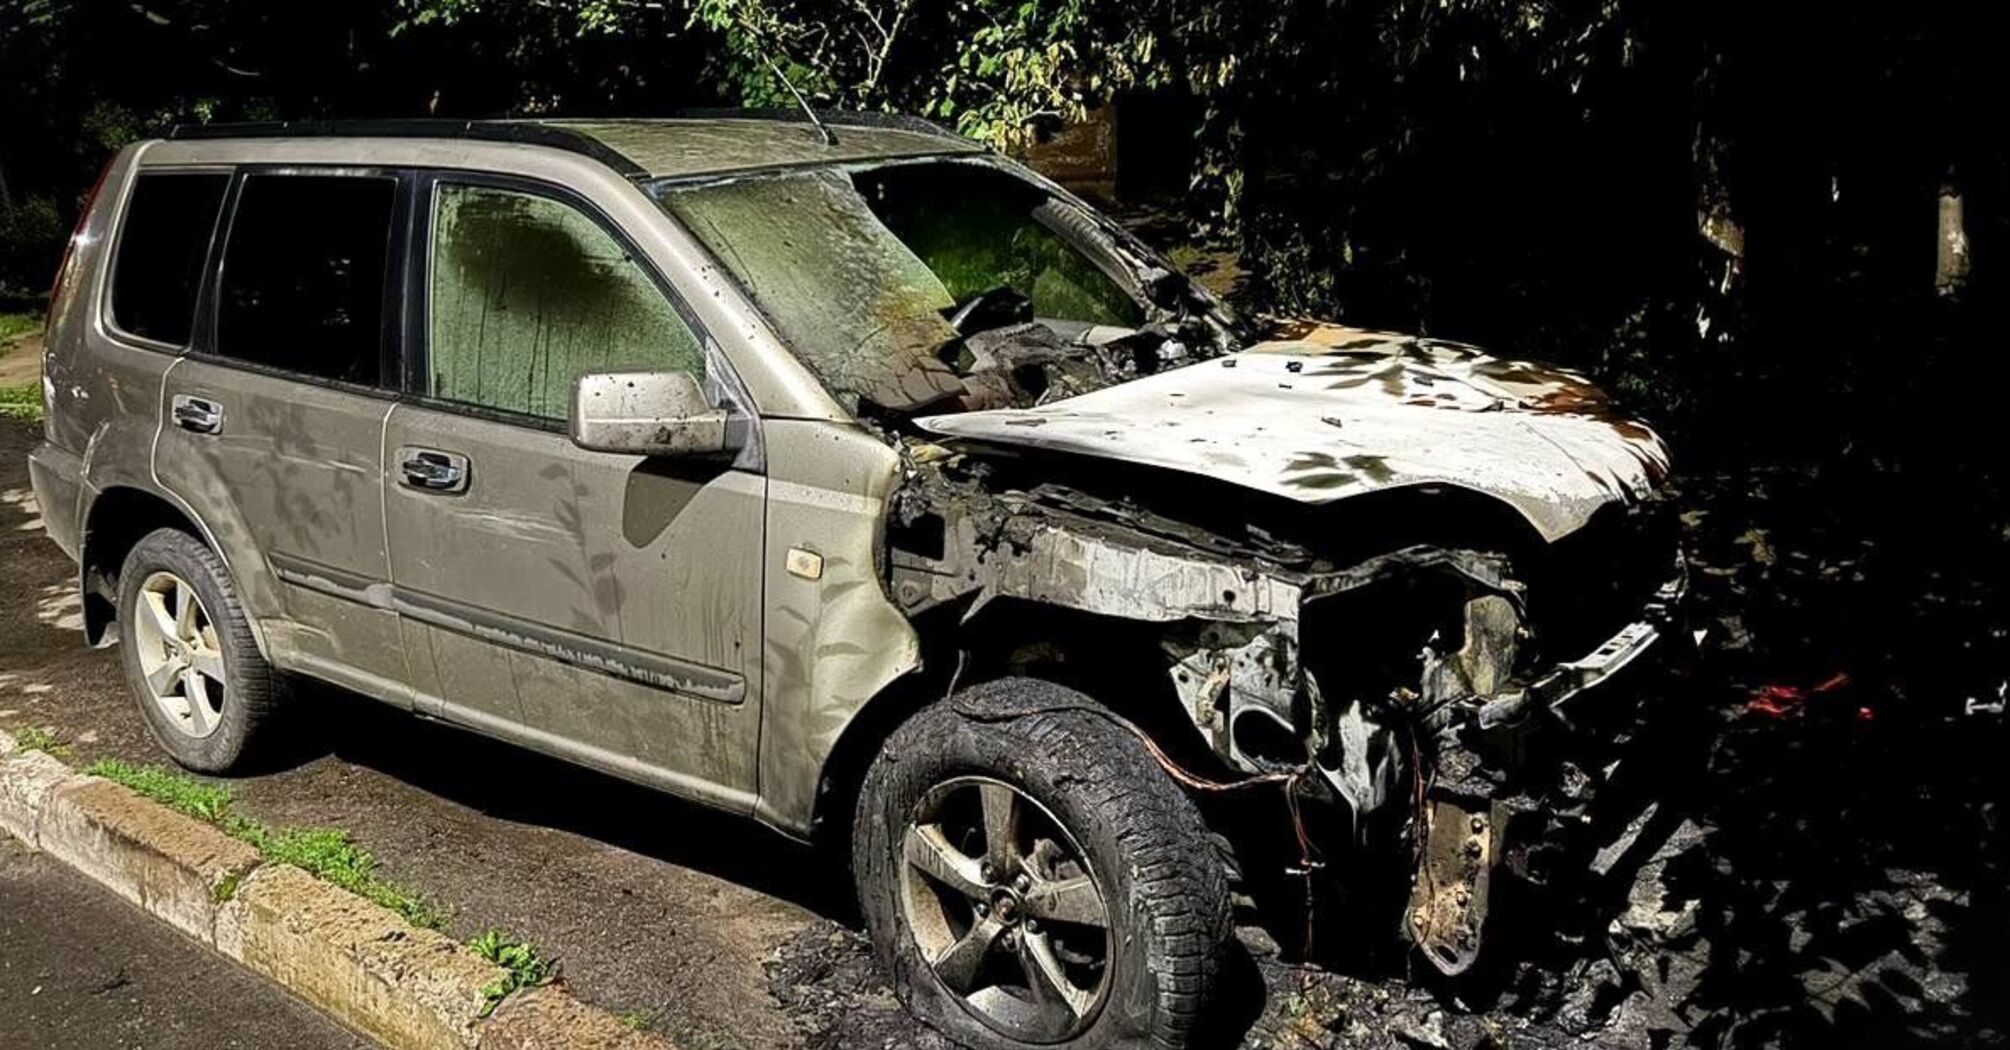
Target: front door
[
  {"x": 275, "y": 420},
  {"x": 601, "y": 606}
]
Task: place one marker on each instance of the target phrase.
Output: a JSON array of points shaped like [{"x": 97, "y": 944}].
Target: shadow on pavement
[{"x": 515, "y": 784}]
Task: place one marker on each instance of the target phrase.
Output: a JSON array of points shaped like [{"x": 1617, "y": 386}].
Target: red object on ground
[{"x": 1785, "y": 701}]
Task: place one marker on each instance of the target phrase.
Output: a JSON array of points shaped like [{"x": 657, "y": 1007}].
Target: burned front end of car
[
  {"x": 1488, "y": 745},
  {"x": 1408, "y": 668}
]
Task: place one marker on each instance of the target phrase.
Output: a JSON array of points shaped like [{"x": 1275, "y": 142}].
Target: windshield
[{"x": 936, "y": 286}]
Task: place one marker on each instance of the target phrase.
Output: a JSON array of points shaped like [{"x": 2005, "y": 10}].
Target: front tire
[
  {"x": 1031, "y": 877},
  {"x": 195, "y": 670}
]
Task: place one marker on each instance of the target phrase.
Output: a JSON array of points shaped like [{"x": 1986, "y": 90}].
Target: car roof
[{"x": 712, "y": 144}]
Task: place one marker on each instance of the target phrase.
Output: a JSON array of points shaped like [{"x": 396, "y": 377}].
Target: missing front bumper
[{"x": 1465, "y": 817}]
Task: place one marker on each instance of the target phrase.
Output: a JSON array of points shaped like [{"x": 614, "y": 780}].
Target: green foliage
[
  {"x": 524, "y": 965},
  {"x": 177, "y": 791},
  {"x": 329, "y": 854},
  {"x": 22, "y": 402},
  {"x": 13, "y": 325},
  {"x": 995, "y": 69},
  {"x": 32, "y": 234},
  {"x": 226, "y": 888},
  {"x": 35, "y": 738},
  {"x": 633, "y": 1020},
  {"x": 1570, "y": 181}
]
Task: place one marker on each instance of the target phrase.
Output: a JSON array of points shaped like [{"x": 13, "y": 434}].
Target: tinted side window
[
  {"x": 528, "y": 293},
  {"x": 162, "y": 243},
  {"x": 303, "y": 275}
]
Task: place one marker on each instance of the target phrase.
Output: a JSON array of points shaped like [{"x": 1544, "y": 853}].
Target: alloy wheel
[
  {"x": 181, "y": 664},
  {"x": 1006, "y": 910}
]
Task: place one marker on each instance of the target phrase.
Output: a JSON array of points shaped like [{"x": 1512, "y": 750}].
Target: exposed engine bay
[{"x": 1401, "y": 682}]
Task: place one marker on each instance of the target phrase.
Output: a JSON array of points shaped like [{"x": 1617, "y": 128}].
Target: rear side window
[
  {"x": 303, "y": 275},
  {"x": 162, "y": 244}
]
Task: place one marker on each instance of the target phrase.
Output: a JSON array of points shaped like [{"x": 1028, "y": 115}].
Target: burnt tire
[
  {"x": 212, "y": 722},
  {"x": 1084, "y": 777}
]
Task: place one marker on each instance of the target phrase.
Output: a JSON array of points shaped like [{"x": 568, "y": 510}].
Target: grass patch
[
  {"x": 634, "y": 1020},
  {"x": 183, "y": 794},
  {"x": 329, "y": 854},
  {"x": 13, "y": 324},
  {"x": 526, "y": 966},
  {"x": 35, "y": 738},
  {"x": 226, "y": 888},
  {"x": 21, "y": 402}
]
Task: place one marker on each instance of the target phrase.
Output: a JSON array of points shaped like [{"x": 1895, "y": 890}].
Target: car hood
[{"x": 1320, "y": 413}]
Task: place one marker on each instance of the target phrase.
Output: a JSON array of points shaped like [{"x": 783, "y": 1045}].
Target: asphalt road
[
  {"x": 81, "y": 969},
  {"x": 718, "y": 933}
]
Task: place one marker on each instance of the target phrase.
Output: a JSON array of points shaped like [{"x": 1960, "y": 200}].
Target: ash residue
[{"x": 825, "y": 978}]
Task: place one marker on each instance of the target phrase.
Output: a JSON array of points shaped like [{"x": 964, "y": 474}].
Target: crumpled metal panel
[
  {"x": 1448, "y": 901},
  {"x": 1320, "y": 413}
]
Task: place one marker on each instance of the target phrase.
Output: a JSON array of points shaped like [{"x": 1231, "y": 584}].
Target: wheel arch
[
  {"x": 1090, "y": 653},
  {"x": 116, "y": 519}
]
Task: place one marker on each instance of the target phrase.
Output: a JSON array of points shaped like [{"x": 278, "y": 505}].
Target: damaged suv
[{"x": 858, "y": 480}]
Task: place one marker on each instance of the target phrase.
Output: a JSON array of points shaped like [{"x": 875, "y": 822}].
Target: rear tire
[
  {"x": 1136, "y": 963},
  {"x": 204, "y": 689}
]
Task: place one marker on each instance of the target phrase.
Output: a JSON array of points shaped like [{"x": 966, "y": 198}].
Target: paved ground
[
  {"x": 81, "y": 969},
  {"x": 719, "y": 933},
  {"x": 21, "y": 360}
]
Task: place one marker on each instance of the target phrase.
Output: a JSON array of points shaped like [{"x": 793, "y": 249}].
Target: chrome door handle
[
  {"x": 433, "y": 470},
  {"x": 196, "y": 414}
]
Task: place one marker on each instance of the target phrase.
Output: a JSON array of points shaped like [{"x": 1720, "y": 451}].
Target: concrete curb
[
  {"x": 173, "y": 867},
  {"x": 364, "y": 965}
]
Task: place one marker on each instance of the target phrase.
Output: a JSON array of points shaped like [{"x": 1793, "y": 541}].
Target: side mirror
[{"x": 645, "y": 414}]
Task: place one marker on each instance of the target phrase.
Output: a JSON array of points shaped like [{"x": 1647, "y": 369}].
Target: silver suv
[{"x": 863, "y": 482}]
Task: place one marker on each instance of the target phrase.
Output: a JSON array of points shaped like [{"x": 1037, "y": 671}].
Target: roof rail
[
  {"x": 529, "y": 133},
  {"x": 837, "y": 118},
  {"x": 539, "y": 132}
]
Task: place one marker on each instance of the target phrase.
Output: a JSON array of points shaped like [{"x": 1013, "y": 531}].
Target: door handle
[
  {"x": 197, "y": 414},
  {"x": 433, "y": 470}
]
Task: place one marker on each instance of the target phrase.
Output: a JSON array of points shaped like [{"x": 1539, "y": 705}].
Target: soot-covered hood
[{"x": 1319, "y": 413}]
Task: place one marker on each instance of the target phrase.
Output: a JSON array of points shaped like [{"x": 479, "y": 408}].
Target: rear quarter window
[{"x": 162, "y": 243}]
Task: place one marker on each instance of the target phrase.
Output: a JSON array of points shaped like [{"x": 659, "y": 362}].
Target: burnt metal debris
[{"x": 1258, "y": 649}]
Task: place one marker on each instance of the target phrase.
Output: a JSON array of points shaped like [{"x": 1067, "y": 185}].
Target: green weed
[
  {"x": 22, "y": 402},
  {"x": 329, "y": 854},
  {"x": 35, "y": 738},
  {"x": 13, "y": 324},
  {"x": 525, "y": 966},
  {"x": 227, "y": 888},
  {"x": 183, "y": 794}
]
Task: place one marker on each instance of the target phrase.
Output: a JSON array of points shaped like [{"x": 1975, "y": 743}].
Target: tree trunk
[{"x": 1950, "y": 270}]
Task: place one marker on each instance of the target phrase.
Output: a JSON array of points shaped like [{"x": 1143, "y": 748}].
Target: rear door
[
  {"x": 275, "y": 418},
  {"x": 601, "y": 606}
]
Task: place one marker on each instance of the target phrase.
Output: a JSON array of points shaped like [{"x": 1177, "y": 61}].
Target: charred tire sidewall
[
  {"x": 251, "y": 690},
  {"x": 1145, "y": 840}
]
